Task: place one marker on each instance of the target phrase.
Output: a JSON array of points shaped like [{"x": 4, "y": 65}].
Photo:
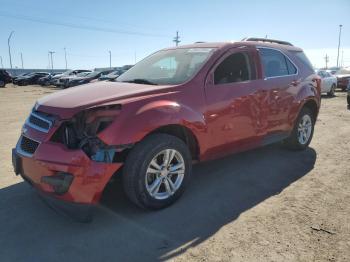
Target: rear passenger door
[{"x": 279, "y": 87}]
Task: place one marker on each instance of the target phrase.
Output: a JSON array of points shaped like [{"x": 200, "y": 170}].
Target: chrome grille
[{"x": 39, "y": 121}]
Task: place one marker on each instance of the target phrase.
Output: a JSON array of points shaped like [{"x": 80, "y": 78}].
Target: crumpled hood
[{"x": 66, "y": 103}]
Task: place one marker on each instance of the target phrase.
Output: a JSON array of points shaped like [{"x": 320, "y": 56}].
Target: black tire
[
  {"x": 2, "y": 83},
  {"x": 331, "y": 93},
  {"x": 137, "y": 162},
  {"x": 292, "y": 142}
]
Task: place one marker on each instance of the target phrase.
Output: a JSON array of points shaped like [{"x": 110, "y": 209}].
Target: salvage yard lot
[{"x": 268, "y": 204}]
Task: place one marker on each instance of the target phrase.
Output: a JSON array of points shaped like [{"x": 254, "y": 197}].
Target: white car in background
[{"x": 328, "y": 82}]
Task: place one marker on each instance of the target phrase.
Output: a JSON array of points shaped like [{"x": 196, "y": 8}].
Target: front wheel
[
  {"x": 2, "y": 83},
  {"x": 157, "y": 171},
  {"x": 332, "y": 91},
  {"x": 302, "y": 132}
]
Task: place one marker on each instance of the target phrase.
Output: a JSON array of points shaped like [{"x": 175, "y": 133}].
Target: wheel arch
[{"x": 183, "y": 133}]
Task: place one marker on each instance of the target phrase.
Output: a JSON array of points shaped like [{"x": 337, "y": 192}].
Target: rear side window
[
  {"x": 275, "y": 63},
  {"x": 235, "y": 68},
  {"x": 303, "y": 58}
]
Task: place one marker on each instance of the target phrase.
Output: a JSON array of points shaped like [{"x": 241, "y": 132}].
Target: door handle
[{"x": 295, "y": 83}]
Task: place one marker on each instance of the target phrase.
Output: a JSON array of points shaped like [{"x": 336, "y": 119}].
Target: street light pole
[
  {"x": 51, "y": 52},
  {"x": 2, "y": 65},
  {"x": 8, "y": 43},
  {"x": 65, "y": 56},
  {"x": 340, "y": 26},
  {"x": 110, "y": 59},
  {"x": 22, "y": 60}
]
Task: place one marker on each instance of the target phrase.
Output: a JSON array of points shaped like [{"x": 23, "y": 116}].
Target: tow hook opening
[{"x": 60, "y": 182}]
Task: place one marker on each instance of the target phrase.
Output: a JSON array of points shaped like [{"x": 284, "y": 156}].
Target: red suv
[{"x": 177, "y": 106}]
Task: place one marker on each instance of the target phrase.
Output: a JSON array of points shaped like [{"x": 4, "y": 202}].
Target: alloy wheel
[
  {"x": 165, "y": 174},
  {"x": 304, "y": 129}
]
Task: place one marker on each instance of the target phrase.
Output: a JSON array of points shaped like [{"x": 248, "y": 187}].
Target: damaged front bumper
[{"x": 67, "y": 179}]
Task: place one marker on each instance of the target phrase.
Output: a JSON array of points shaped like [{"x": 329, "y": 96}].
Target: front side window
[
  {"x": 275, "y": 63},
  {"x": 235, "y": 68},
  {"x": 168, "y": 67}
]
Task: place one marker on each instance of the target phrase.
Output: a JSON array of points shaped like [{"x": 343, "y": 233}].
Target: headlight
[{"x": 81, "y": 131}]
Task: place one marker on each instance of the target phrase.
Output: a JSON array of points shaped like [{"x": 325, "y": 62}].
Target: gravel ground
[{"x": 268, "y": 204}]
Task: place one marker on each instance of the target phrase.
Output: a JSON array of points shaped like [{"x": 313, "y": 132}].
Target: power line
[{"x": 78, "y": 26}]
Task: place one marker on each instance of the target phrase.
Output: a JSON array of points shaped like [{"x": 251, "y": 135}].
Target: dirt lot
[{"x": 264, "y": 205}]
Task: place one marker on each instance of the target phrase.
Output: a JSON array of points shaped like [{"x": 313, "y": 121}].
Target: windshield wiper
[{"x": 140, "y": 81}]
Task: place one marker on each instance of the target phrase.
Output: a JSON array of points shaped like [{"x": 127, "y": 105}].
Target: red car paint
[{"x": 223, "y": 119}]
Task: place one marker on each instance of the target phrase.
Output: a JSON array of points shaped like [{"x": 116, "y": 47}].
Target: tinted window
[
  {"x": 304, "y": 59},
  {"x": 235, "y": 68},
  {"x": 291, "y": 68},
  {"x": 275, "y": 63}
]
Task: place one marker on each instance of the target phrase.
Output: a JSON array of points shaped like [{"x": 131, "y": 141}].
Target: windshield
[
  {"x": 82, "y": 74},
  {"x": 167, "y": 67},
  {"x": 92, "y": 74},
  {"x": 67, "y": 72},
  {"x": 343, "y": 71}
]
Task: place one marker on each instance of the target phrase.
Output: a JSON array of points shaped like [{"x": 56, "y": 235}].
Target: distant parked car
[
  {"x": 30, "y": 79},
  {"x": 343, "y": 76},
  {"x": 328, "y": 82},
  {"x": 87, "y": 78},
  {"x": 56, "y": 79},
  {"x": 5, "y": 78},
  {"x": 46, "y": 80},
  {"x": 19, "y": 76},
  {"x": 63, "y": 81},
  {"x": 111, "y": 76}
]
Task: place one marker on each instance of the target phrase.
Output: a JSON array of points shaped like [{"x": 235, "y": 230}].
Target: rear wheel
[
  {"x": 157, "y": 171},
  {"x": 332, "y": 91},
  {"x": 302, "y": 132},
  {"x": 2, "y": 83}
]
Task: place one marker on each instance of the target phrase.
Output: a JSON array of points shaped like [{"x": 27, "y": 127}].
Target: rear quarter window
[{"x": 304, "y": 60}]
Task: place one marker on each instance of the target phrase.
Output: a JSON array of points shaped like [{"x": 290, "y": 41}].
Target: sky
[{"x": 133, "y": 29}]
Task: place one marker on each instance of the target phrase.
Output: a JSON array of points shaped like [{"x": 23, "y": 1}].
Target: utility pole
[
  {"x": 22, "y": 60},
  {"x": 51, "y": 53},
  {"x": 326, "y": 59},
  {"x": 340, "y": 26},
  {"x": 342, "y": 58},
  {"x": 2, "y": 65},
  {"x": 110, "y": 59},
  {"x": 8, "y": 43},
  {"x": 65, "y": 56},
  {"x": 177, "y": 38}
]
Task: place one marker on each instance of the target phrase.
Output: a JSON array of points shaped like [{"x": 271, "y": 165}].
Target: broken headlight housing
[{"x": 81, "y": 132}]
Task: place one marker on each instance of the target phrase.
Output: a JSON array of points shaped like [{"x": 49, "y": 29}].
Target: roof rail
[
  {"x": 199, "y": 42},
  {"x": 266, "y": 40}
]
